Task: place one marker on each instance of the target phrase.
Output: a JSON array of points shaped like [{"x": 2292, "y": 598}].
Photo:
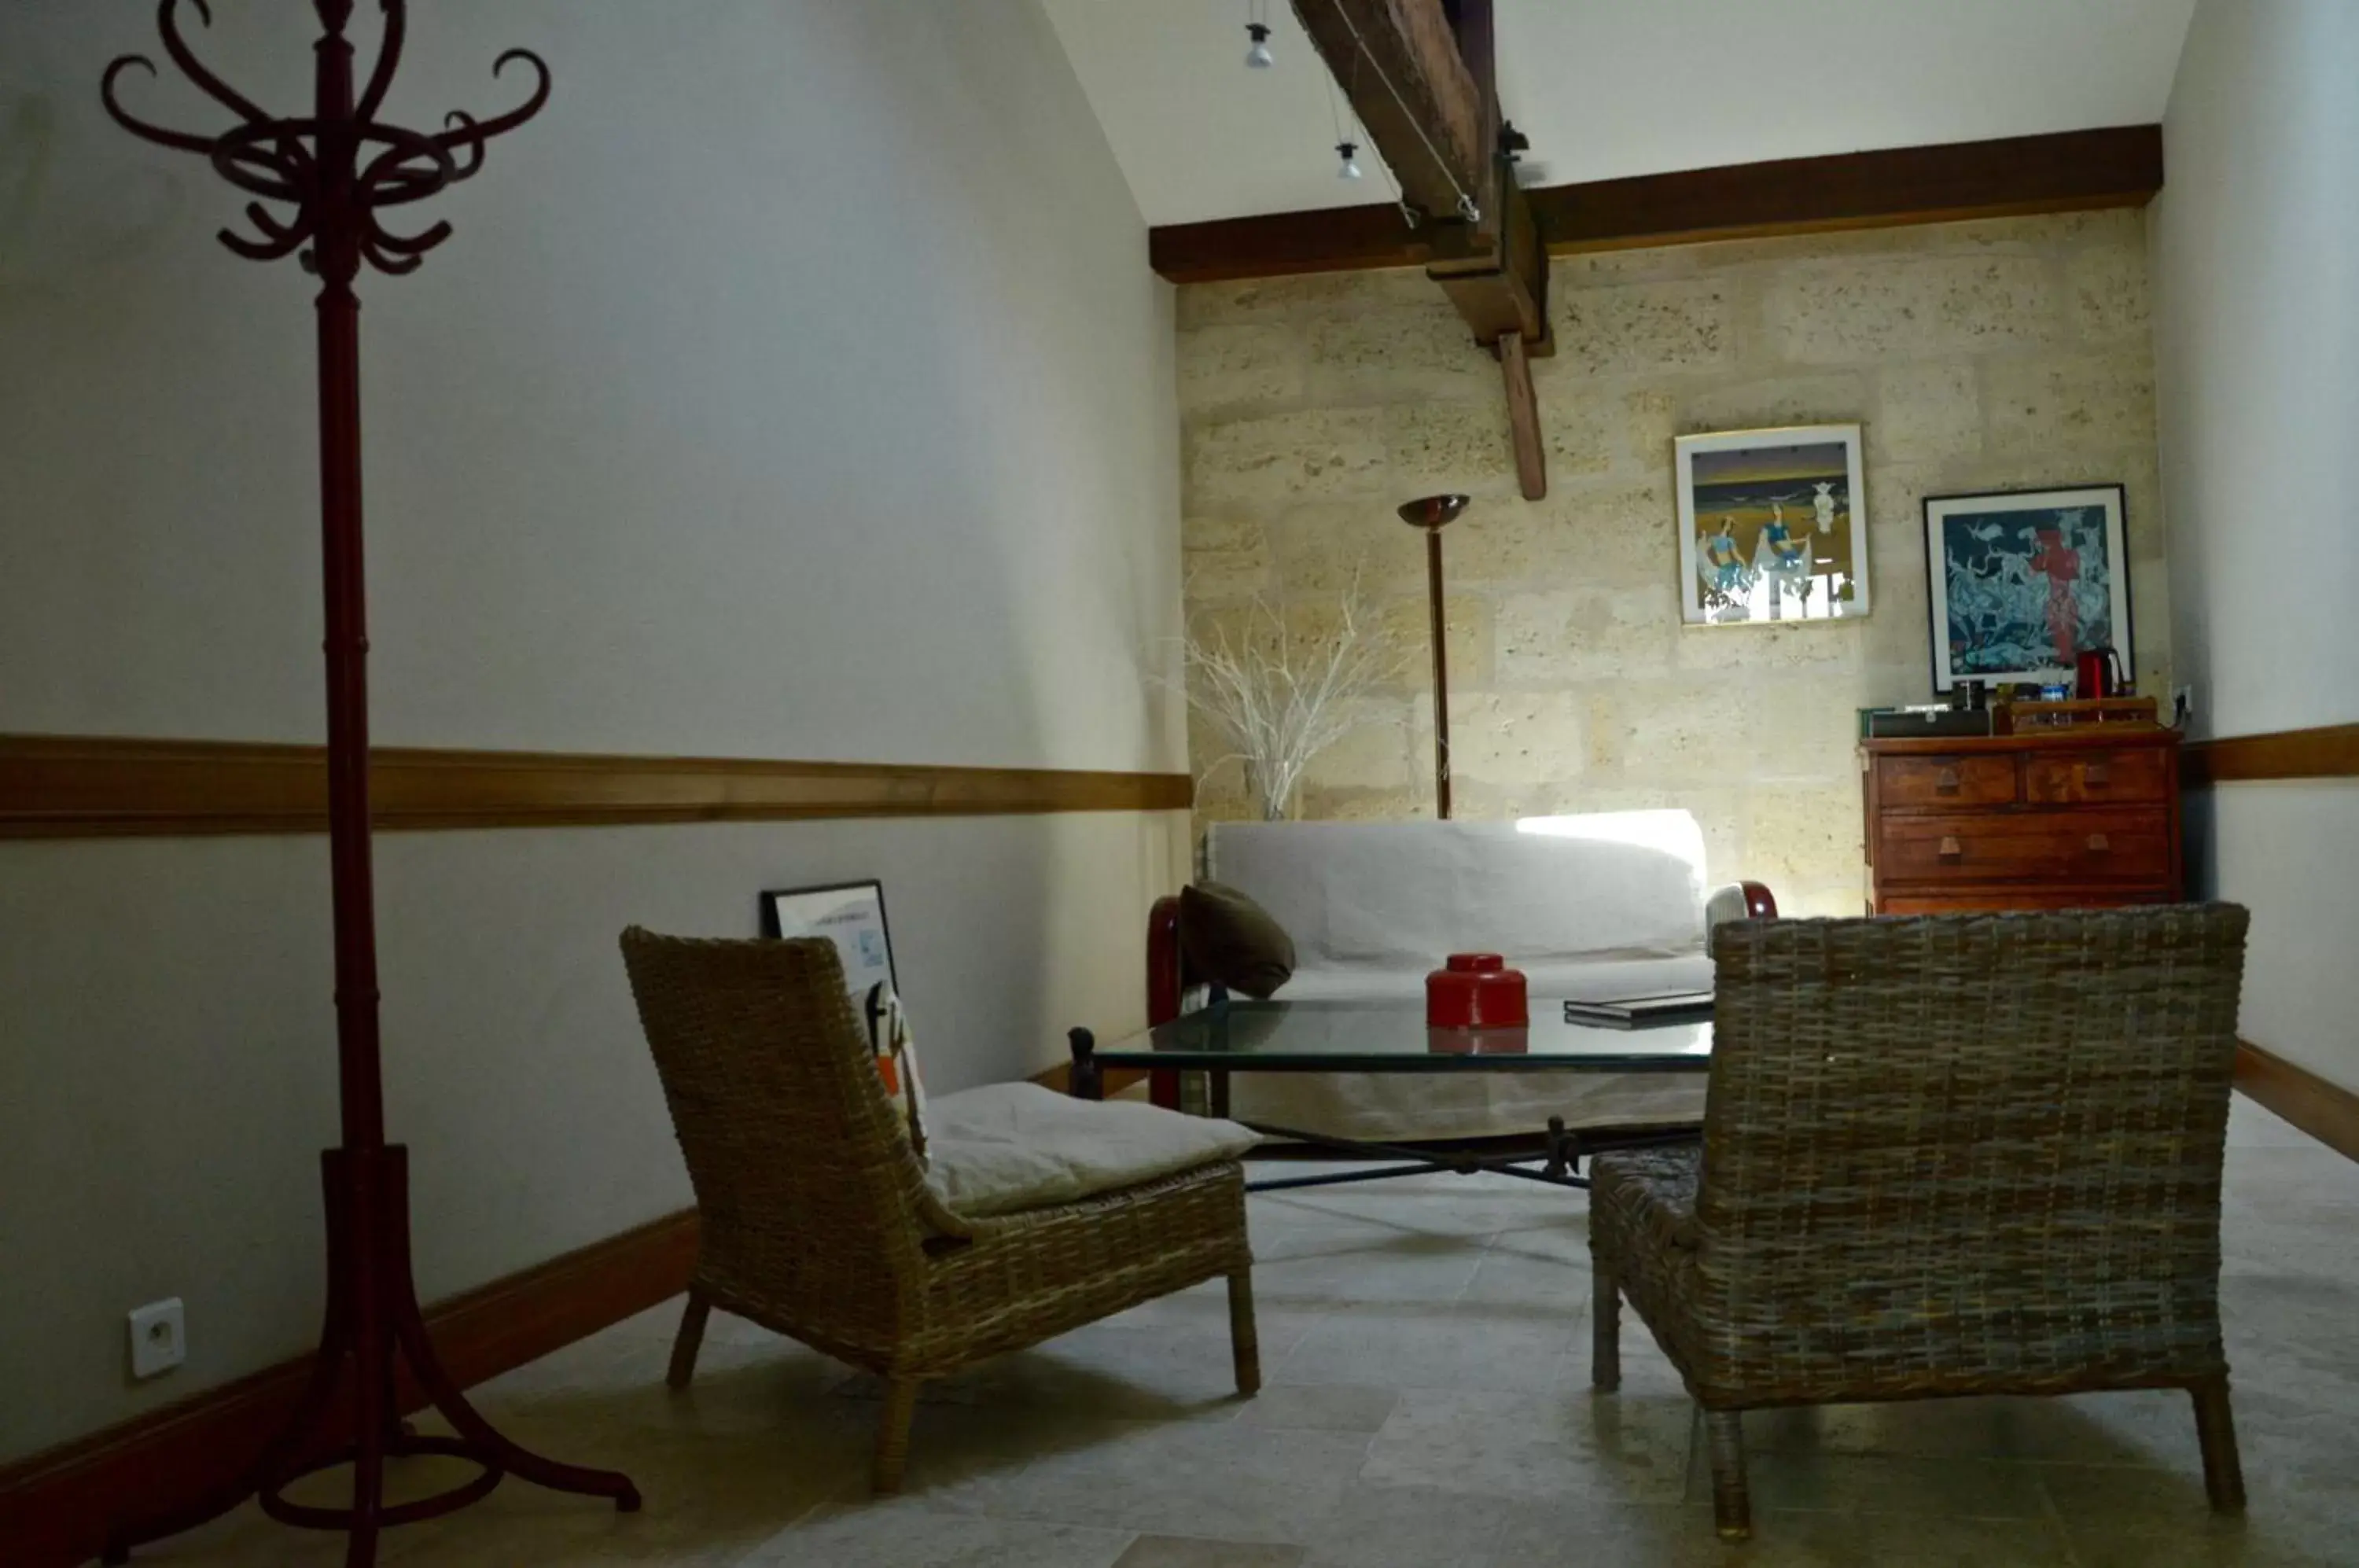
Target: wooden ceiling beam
[
  {"x": 1397, "y": 62},
  {"x": 1421, "y": 76},
  {"x": 2066, "y": 172}
]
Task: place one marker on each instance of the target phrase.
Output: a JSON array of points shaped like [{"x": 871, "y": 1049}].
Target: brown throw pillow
[{"x": 1232, "y": 941}]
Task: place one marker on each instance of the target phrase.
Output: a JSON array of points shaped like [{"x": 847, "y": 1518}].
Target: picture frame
[
  {"x": 2019, "y": 581},
  {"x": 1773, "y": 526},
  {"x": 851, "y": 915}
]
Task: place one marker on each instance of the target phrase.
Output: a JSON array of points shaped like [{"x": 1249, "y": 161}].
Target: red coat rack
[{"x": 338, "y": 170}]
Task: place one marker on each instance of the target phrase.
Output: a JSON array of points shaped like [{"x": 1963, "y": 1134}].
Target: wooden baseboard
[
  {"x": 56, "y": 1507},
  {"x": 1061, "y": 1078},
  {"x": 99, "y": 787},
  {"x": 2328, "y": 1112}
]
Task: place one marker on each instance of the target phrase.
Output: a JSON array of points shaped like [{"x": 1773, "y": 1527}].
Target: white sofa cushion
[
  {"x": 1547, "y": 981},
  {"x": 1606, "y": 905},
  {"x": 1009, "y": 1147},
  {"x": 1393, "y": 893}
]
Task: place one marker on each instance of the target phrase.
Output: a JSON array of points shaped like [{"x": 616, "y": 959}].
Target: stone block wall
[{"x": 1996, "y": 354}]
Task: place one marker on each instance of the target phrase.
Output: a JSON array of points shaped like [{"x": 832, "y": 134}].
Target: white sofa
[{"x": 1606, "y": 905}]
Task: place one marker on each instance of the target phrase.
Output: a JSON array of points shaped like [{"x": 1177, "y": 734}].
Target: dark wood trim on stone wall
[
  {"x": 75, "y": 787},
  {"x": 55, "y": 1507},
  {"x": 2331, "y": 751},
  {"x": 2328, "y": 1112},
  {"x": 2066, "y": 172},
  {"x": 1331, "y": 239},
  {"x": 2069, "y": 171}
]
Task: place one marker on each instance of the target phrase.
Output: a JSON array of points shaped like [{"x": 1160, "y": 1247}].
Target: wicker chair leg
[
  {"x": 689, "y": 1340},
  {"x": 893, "y": 1434},
  {"x": 2215, "y": 1431},
  {"x": 1605, "y": 1332},
  {"x": 1245, "y": 1344},
  {"x": 1732, "y": 1505}
]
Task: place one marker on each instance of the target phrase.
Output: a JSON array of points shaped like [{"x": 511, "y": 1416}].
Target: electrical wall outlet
[{"x": 159, "y": 1337}]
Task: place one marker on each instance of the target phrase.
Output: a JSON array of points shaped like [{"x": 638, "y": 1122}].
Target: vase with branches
[{"x": 1278, "y": 690}]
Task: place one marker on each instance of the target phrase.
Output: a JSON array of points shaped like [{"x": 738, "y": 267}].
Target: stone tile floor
[{"x": 1425, "y": 1346}]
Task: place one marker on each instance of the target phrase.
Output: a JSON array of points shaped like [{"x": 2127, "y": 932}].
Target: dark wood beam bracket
[
  {"x": 1524, "y": 417},
  {"x": 1421, "y": 76}
]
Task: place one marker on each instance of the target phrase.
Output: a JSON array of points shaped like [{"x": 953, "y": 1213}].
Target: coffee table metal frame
[{"x": 1557, "y": 1151}]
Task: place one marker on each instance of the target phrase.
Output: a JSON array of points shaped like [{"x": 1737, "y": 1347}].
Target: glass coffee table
[{"x": 1230, "y": 1037}]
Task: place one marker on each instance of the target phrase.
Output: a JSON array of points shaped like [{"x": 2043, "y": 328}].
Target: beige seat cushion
[{"x": 1009, "y": 1147}]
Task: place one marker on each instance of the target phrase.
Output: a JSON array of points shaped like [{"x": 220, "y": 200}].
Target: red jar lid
[{"x": 1475, "y": 963}]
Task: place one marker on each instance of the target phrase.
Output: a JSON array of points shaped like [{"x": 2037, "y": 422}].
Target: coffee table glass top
[{"x": 1391, "y": 1037}]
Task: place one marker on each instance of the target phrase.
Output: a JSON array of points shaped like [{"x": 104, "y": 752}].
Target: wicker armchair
[
  {"x": 1943, "y": 1155},
  {"x": 817, "y": 1221}
]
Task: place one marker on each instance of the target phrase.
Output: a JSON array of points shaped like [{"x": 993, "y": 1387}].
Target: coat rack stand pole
[{"x": 337, "y": 169}]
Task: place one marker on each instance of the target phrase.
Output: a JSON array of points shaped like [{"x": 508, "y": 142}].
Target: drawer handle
[
  {"x": 1946, "y": 781},
  {"x": 1951, "y": 849},
  {"x": 2096, "y": 776},
  {"x": 2099, "y": 845}
]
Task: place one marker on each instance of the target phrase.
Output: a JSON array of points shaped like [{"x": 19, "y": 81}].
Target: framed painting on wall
[
  {"x": 1773, "y": 526},
  {"x": 851, "y": 915},
  {"x": 2022, "y": 581}
]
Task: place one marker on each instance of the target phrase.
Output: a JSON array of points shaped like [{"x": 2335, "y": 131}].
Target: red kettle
[{"x": 2097, "y": 672}]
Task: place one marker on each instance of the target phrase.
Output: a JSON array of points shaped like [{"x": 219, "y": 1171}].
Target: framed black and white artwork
[{"x": 851, "y": 915}]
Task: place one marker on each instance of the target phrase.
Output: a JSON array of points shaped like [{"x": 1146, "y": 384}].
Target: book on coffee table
[{"x": 1637, "y": 1012}]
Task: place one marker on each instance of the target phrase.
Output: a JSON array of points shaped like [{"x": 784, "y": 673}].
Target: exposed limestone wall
[{"x": 1994, "y": 354}]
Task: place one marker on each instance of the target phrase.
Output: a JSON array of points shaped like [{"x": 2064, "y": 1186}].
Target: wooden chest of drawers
[{"x": 2065, "y": 820}]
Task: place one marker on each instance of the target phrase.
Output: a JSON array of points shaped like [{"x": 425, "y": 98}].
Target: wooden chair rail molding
[
  {"x": 55, "y": 1506},
  {"x": 2331, "y": 751},
  {"x": 2328, "y": 1112},
  {"x": 74, "y": 786}
]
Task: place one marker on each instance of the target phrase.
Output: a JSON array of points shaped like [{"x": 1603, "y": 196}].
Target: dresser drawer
[
  {"x": 2078, "y": 777},
  {"x": 1904, "y": 781},
  {"x": 2026, "y": 847}
]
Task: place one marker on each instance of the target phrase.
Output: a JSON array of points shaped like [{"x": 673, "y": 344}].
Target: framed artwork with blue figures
[
  {"x": 2022, "y": 581},
  {"x": 1773, "y": 526},
  {"x": 851, "y": 915}
]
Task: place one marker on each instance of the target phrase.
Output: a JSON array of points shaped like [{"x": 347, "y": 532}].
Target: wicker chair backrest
[
  {"x": 1961, "y": 1135},
  {"x": 804, "y": 1179}
]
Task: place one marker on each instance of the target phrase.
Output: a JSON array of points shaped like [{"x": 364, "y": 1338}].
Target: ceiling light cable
[
  {"x": 1468, "y": 208},
  {"x": 1359, "y": 137}
]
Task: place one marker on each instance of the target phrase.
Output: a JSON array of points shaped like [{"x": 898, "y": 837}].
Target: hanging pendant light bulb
[
  {"x": 1258, "y": 57},
  {"x": 1350, "y": 169}
]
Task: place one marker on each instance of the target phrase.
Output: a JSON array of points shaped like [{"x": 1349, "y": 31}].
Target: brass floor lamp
[{"x": 1432, "y": 513}]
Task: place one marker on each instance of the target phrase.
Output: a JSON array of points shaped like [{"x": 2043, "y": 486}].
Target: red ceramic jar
[{"x": 1476, "y": 990}]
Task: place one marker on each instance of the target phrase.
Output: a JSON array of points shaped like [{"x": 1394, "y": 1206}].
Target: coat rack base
[{"x": 351, "y": 1411}]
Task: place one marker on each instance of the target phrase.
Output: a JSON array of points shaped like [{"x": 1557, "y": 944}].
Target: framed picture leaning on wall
[
  {"x": 2021, "y": 580},
  {"x": 851, "y": 915},
  {"x": 1773, "y": 526}
]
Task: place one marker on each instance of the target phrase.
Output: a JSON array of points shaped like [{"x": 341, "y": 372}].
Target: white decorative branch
[{"x": 1278, "y": 697}]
